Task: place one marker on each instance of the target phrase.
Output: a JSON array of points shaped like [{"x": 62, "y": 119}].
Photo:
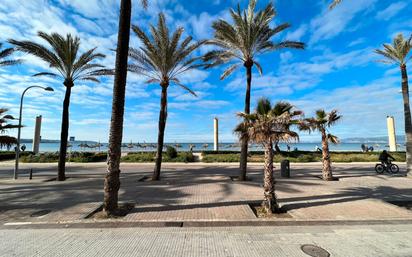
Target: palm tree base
[
  {"x": 155, "y": 178},
  {"x": 330, "y": 178},
  {"x": 271, "y": 206}
]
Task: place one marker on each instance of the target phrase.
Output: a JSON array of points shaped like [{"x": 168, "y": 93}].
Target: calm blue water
[{"x": 135, "y": 147}]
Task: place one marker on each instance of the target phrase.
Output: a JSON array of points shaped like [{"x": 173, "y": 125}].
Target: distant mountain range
[
  {"x": 355, "y": 140},
  {"x": 382, "y": 140}
]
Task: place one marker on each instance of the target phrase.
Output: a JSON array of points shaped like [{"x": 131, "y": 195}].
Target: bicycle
[{"x": 389, "y": 167}]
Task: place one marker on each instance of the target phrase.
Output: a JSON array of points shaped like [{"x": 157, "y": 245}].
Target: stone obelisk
[
  {"x": 37, "y": 135},
  {"x": 391, "y": 133}
]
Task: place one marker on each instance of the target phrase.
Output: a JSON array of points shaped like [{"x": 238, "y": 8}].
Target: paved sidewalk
[
  {"x": 199, "y": 192},
  {"x": 339, "y": 241}
]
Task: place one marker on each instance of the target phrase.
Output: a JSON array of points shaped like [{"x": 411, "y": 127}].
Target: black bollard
[{"x": 31, "y": 174}]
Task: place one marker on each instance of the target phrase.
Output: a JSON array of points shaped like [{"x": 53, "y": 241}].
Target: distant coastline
[{"x": 352, "y": 140}]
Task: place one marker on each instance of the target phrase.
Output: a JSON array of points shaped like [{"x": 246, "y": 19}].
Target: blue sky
[{"x": 338, "y": 70}]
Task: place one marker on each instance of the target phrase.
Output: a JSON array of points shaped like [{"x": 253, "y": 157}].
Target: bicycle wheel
[
  {"x": 394, "y": 168},
  {"x": 379, "y": 168}
]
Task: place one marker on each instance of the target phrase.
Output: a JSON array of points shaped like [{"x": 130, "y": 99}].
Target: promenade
[
  {"x": 198, "y": 210},
  {"x": 204, "y": 193}
]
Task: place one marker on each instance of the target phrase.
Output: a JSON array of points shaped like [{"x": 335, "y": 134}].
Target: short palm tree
[
  {"x": 162, "y": 58},
  {"x": 239, "y": 45},
  {"x": 279, "y": 109},
  {"x": 112, "y": 179},
  {"x": 7, "y": 141},
  {"x": 62, "y": 55},
  {"x": 321, "y": 123},
  {"x": 4, "y": 54},
  {"x": 266, "y": 126},
  {"x": 399, "y": 53}
]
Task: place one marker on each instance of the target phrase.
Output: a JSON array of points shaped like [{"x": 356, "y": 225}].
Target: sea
[{"x": 81, "y": 146}]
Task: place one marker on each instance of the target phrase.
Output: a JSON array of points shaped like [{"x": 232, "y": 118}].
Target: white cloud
[
  {"x": 331, "y": 23},
  {"x": 364, "y": 107},
  {"x": 391, "y": 10},
  {"x": 297, "y": 34}
]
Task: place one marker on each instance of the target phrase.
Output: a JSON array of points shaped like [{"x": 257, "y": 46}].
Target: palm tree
[
  {"x": 281, "y": 108},
  {"x": 162, "y": 58},
  {"x": 398, "y": 53},
  {"x": 266, "y": 126},
  {"x": 112, "y": 179},
  {"x": 240, "y": 44},
  {"x": 322, "y": 122},
  {"x": 64, "y": 58},
  {"x": 4, "y": 54},
  {"x": 4, "y": 126}
]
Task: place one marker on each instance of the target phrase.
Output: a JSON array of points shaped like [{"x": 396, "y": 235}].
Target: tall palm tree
[
  {"x": 162, "y": 58},
  {"x": 112, "y": 179},
  {"x": 4, "y": 54},
  {"x": 239, "y": 45},
  {"x": 266, "y": 126},
  {"x": 399, "y": 53},
  {"x": 7, "y": 141},
  {"x": 321, "y": 123},
  {"x": 62, "y": 55}
]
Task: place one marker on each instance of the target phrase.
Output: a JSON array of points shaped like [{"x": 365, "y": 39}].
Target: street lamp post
[{"x": 16, "y": 166}]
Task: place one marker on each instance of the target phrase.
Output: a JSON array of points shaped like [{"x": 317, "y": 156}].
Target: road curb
[{"x": 184, "y": 224}]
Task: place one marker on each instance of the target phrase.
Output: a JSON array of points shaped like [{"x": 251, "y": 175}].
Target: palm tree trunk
[
  {"x": 327, "y": 169},
  {"x": 269, "y": 203},
  {"x": 161, "y": 134},
  {"x": 408, "y": 122},
  {"x": 112, "y": 179},
  {"x": 245, "y": 139},
  {"x": 61, "y": 176}
]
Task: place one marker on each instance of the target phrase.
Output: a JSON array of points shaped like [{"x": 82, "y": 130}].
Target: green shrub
[
  {"x": 9, "y": 155},
  {"x": 139, "y": 157},
  {"x": 300, "y": 156},
  {"x": 74, "y": 157},
  {"x": 151, "y": 157},
  {"x": 171, "y": 152},
  {"x": 231, "y": 157}
]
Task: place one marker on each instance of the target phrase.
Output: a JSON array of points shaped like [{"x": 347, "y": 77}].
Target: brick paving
[
  {"x": 190, "y": 192},
  {"x": 339, "y": 241}
]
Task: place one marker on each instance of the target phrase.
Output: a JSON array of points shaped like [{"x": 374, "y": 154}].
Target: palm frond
[
  {"x": 259, "y": 67},
  {"x": 229, "y": 71},
  {"x": 163, "y": 57},
  {"x": 397, "y": 52},
  {"x": 333, "y": 139},
  {"x": 334, "y": 4},
  {"x": 5, "y": 126},
  {"x": 62, "y": 55},
  {"x": 50, "y": 74},
  {"x": 175, "y": 80},
  {"x": 248, "y": 35},
  {"x": 144, "y": 3},
  {"x": 269, "y": 123}
]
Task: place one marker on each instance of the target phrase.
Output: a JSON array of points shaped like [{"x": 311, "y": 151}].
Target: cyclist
[{"x": 385, "y": 158}]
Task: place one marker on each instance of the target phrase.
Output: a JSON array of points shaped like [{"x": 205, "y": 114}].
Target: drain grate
[
  {"x": 314, "y": 251},
  {"x": 40, "y": 213}
]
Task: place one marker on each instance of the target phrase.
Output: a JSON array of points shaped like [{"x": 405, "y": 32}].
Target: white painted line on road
[{"x": 17, "y": 223}]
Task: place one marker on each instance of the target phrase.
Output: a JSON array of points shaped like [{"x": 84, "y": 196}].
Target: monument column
[{"x": 37, "y": 135}]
